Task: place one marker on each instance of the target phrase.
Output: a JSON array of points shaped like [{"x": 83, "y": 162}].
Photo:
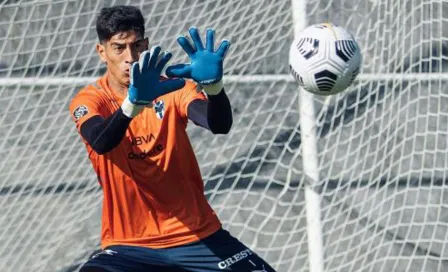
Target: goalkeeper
[{"x": 133, "y": 122}]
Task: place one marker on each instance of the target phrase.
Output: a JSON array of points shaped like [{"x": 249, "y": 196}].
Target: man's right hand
[{"x": 145, "y": 83}]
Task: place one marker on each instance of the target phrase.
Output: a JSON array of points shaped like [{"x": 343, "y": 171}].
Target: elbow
[
  {"x": 101, "y": 149},
  {"x": 221, "y": 131},
  {"x": 223, "y": 128}
]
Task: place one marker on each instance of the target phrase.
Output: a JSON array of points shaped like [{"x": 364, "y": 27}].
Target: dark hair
[{"x": 117, "y": 19}]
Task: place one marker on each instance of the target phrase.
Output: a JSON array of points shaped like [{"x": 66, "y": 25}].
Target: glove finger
[
  {"x": 166, "y": 56},
  {"x": 210, "y": 43},
  {"x": 155, "y": 50},
  {"x": 186, "y": 45},
  {"x": 134, "y": 73},
  {"x": 194, "y": 33},
  {"x": 171, "y": 85},
  {"x": 223, "y": 48},
  {"x": 179, "y": 70},
  {"x": 144, "y": 60}
]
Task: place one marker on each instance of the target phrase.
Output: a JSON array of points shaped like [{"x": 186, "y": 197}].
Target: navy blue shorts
[{"x": 218, "y": 252}]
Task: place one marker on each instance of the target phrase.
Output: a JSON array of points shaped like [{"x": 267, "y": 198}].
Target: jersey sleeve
[
  {"x": 184, "y": 96},
  {"x": 84, "y": 106}
]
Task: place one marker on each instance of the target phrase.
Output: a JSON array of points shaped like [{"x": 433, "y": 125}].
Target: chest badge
[{"x": 159, "y": 108}]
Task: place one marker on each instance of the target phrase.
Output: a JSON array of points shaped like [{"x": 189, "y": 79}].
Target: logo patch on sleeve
[{"x": 80, "y": 111}]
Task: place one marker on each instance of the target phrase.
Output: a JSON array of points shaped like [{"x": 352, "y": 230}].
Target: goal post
[
  {"x": 309, "y": 152},
  {"x": 368, "y": 165}
]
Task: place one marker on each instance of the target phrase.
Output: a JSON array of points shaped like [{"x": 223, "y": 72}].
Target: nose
[{"x": 131, "y": 55}]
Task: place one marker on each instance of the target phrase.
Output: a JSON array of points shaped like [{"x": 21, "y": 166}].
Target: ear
[
  {"x": 146, "y": 43},
  {"x": 101, "y": 50}
]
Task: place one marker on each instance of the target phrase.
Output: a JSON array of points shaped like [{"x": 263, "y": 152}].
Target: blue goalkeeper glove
[
  {"x": 206, "y": 65},
  {"x": 146, "y": 84}
]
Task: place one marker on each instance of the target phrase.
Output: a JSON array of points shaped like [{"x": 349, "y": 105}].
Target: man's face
[{"x": 119, "y": 52}]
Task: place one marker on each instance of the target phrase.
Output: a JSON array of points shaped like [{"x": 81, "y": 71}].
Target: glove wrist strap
[
  {"x": 129, "y": 109},
  {"x": 213, "y": 89}
]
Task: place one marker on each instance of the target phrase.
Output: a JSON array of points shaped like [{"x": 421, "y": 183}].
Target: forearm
[
  {"x": 214, "y": 114},
  {"x": 219, "y": 113},
  {"x": 105, "y": 134}
]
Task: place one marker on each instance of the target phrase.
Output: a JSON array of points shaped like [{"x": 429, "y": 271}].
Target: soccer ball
[{"x": 325, "y": 59}]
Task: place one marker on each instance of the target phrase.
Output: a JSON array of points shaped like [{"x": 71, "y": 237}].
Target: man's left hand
[{"x": 206, "y": 64}]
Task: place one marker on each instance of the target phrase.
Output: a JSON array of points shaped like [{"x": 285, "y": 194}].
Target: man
[{"x": 133, "y": 121}]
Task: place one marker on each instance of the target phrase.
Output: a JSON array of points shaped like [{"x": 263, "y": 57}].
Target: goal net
[{"x": 376, "y": 166}]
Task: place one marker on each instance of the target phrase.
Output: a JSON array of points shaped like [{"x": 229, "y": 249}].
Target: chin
[{"x": 126, "y": 80}]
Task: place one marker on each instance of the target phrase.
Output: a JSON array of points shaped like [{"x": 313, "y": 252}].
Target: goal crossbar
[{"x": 33, "y": 81}]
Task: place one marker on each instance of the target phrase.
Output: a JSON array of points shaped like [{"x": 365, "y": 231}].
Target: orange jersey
[{"x": 152, "y": 186}]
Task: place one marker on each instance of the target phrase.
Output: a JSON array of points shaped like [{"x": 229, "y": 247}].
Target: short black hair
[{"x": 113, "y": 20}]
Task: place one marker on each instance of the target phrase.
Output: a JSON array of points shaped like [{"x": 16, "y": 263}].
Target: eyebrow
[{"x": 122, "y": 44}]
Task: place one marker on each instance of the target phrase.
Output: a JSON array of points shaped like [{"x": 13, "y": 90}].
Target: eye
[{"x": 118, "y": 48}]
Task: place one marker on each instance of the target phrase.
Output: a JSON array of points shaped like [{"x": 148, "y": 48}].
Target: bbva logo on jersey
[{"x": 159, "y": 108}]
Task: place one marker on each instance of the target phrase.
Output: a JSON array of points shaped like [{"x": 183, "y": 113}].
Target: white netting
[{"x": 381, "y": 146}]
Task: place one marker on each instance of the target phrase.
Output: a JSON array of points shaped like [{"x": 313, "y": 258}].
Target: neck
[{"x": 117, "y": 87}]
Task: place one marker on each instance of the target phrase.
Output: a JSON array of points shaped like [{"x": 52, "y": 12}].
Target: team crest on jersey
[
  {"x": 159, "y": 108},
  {"x": 80, "y": 111}
]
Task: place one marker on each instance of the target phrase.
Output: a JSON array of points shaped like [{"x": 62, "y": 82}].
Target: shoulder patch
[{"x": 80, "y": 111}]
